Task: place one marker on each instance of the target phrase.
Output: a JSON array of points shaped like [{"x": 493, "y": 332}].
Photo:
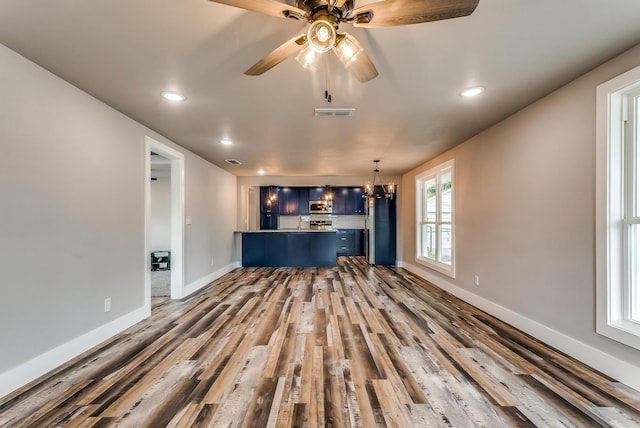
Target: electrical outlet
[
  {"x": 477, "y": 280},
  {"x": 107, "y": 304}
]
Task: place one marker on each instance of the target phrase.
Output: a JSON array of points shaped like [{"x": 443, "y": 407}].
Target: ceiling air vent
[
  {"x": 333, "y": 112},
  {"x": 233, "y": 162}
]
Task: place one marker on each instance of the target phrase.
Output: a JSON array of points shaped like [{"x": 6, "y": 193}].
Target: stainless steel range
[{"x": 321, "y": 224}]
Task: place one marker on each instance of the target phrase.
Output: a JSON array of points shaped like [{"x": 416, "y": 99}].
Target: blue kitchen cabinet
[
  {"x": 348, "y": 201},
  {"x": 295, "y": 201},
  {"x": 289, "y": 201},
  {"x": 316, "y": 193},
  {"x": 340, "y": 200},
  {"x": 303, "y": 200},
  {"x": 350, "y": 242},
  {"x": 289, "y": 249},
  {"x": 268, "y": 210},
  {"x": 384, "y": 228},
  {"x": 355, "y": 201}
]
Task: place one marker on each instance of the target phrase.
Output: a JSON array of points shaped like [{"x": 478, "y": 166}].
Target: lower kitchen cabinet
[
  {"x": 350, "y": 242},
  {"x": 288, "y": 249}
]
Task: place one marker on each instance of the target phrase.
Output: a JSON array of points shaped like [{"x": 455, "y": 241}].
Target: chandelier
[{"x": 373, "y": 189}]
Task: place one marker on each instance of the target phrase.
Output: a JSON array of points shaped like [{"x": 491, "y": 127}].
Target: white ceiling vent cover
[
  {"x": 333, "y": 112},
  {"x": 233, "y": 162}
]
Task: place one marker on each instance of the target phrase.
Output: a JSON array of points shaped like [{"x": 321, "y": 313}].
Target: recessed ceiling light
[
  {"x": 173, "y": 96},
  {"x": 472, "y": 92},
  {"x": 226, "y": 142},
  {"x": 261, "y": 171}
]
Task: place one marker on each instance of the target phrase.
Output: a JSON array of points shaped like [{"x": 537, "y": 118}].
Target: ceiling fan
[{"x": 325, "y": 16}]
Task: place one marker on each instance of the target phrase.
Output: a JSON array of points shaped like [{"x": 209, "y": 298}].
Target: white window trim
[
  {"x": 612, "y": 315},
  {"x": 449, "y": 270}
]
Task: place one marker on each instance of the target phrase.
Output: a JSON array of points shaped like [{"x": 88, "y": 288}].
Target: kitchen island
[{"x": 289, "y": 248}]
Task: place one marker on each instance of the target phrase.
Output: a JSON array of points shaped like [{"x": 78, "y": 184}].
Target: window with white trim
[
  {"x": 618, "y": 209},
  {"x": 435, "y": 214}
]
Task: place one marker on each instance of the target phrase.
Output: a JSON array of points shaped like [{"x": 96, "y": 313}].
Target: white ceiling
[{"x": 126, "y": 52}]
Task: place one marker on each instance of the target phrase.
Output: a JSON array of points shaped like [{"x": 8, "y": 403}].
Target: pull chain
[{"x": 327, "y": 95}]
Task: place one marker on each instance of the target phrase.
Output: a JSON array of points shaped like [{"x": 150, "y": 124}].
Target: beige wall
[
  {"x": 210, "y": 201},
  {"x": 525, "y": 222},
  {"x": 72, "y": 228}
]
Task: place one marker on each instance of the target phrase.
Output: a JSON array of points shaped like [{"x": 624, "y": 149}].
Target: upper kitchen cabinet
[
  {"x": 303, "y": 200},
  {"x": 355, "y": 202},
  {"x": 289, "y": 201},
  {"x": 269, "y": 207},
  {"x": 295, "y": 200},
  {"x": 316, "y": 193},
  {"x": 340, "y": 196},
  {"x": 348, "y": 201}
]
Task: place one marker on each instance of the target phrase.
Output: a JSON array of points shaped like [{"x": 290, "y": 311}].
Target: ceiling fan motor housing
[{"x": 316, "y": 8}]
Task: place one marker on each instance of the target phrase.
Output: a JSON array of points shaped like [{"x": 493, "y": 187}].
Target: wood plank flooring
[{"x": 351, "y": 346}]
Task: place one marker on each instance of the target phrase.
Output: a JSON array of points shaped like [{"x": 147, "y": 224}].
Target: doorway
[
  {"x": 167, "y": 164},
  {"x": 160, "y": 226}
]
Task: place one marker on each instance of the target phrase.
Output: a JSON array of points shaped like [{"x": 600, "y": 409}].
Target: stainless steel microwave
[{"x": 320, "y": 207}]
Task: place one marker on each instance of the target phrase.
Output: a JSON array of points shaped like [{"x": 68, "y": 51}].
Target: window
[
  {"x": 435, "y": 214},
  {"x": 618, "y": 208}
]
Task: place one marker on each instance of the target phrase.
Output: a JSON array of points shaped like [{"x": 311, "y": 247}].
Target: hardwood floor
[{"x": 351, "y": 346}]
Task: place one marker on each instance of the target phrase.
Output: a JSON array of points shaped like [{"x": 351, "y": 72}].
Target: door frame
[{"x": 177, "y": 216}]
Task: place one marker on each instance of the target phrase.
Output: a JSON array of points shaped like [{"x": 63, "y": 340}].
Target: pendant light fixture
[
  {"x": 272, "y": 196},
  {"x": 375, "y": 190},
  {"x": 327, "y": 194}
]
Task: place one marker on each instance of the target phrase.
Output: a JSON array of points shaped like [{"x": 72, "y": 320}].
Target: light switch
[{"x": 188, "y": 219}]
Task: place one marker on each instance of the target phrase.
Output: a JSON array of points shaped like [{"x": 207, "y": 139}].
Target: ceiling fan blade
[
  {"x": 268, "y": 7},
  {"x": 390, "y": 13},
  {"x": 335, "y": 3},
  {"x": 363, "y": 68},
  {"x": 278, "y": 55}
]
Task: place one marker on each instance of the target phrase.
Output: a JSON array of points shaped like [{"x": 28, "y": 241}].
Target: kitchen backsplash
[{"x": 338, "y": 221}]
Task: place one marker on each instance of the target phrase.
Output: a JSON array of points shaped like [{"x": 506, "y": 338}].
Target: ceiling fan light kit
[
  {"x": 325, "y": 17},
  {"x": 308, "y": 57},
  {"x": 348, "y": 49},
  {"x": 321, "y": 35}
]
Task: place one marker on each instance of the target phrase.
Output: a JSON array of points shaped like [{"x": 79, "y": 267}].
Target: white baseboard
[
  {"x": 43, "y": 363},
  {"x": 206, "y": 280},
  {"x": 623, "y": 371}
]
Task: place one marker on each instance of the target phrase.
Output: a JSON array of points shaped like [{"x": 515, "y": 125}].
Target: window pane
[
  {"x": 445, "y": 195},
  {"x": 429, "y": 241},
  {"x": 435, "y": 246},
  {"x": 446, "y": 240},
  {"x": 430, "y": 213},
  {"x": 634, "y": 269}
]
